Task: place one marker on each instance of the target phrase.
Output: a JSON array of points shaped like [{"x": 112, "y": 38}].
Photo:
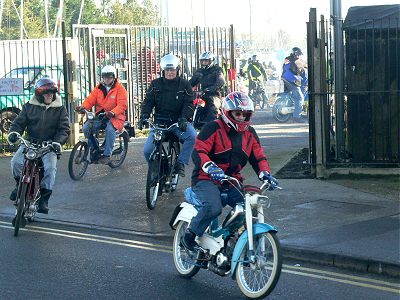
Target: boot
[
  {"x": 188, "y": 240},
  {"x": 44, "y": 201},
  {"x": 179, "y": 168},
  {"x": 14, "y": 192}
]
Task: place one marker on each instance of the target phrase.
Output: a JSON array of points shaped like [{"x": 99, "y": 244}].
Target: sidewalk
[{"x": 318, "y": 221}]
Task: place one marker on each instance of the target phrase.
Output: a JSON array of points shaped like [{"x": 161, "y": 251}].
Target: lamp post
[{"x": 251, "y": 38}]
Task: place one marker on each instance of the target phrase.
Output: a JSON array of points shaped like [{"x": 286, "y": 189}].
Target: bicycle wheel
[
  {"x": 78, "y": 162},
  {"x": 276, "y": 110},
  {"x": 154, "y": 182},
  {"x": 173, "y": 156},
  {"x": 119, "y": 154},
  {"x": 257, "y": 279},
  {"x": 185, "y": 262},
  {"x": 19, "y": 220}
]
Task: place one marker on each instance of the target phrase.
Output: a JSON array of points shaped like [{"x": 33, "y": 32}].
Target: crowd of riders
[{"x": 223, "y": 146}]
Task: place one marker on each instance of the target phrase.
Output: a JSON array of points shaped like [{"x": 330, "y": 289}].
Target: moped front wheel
[
  {"x": 78, "y": 160},
  {"x": 119, "y": 154},
  {"x": 19, "y": 220},
  {"x": 173, "y": 156},
  {"x": 185, "y": 262},
  {"x": 153, "y": 183},
  {"x": 257, "y": 277},
  {"x": 280, "y": 103}
]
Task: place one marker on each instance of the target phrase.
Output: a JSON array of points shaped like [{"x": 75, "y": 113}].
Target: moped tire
[
  {"x": 186, "y": 265},
  {"x": 279, "y": 103},
  {"x": 267, "y": 265},
  {"x": 78, "y": 160},
  {"x": 174, "y": 178},
  {"x": 19, "y": 217},
  {"x": 153, "y": 182},
  {"x": 119, "y": 155}
]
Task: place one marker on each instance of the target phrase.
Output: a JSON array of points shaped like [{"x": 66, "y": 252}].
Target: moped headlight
[
  {"x": 90, "y": 115},
  {"x": 157, "y": 135},
  {"x": 30, "y": 155}
]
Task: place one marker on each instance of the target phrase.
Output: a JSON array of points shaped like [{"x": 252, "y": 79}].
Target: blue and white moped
[{"x": 243, "y": 247}]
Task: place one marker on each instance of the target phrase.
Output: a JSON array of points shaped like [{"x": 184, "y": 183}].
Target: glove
[
  {"x": 182, "y": 124},
  {"x": 13, "y": 137},
  {"x": 265, "y": 176},
  {"x": 80, "y": 109},
  {"x": 56, "y": 147},
  {"x": 198, "y": 75},
  {"x": 110, "y": 114},
  {"x": 215, "y": 172},
  {"x": 142, "y": 121}
]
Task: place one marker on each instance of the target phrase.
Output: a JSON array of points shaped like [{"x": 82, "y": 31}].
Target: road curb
[{"x": 341, "y": 261}]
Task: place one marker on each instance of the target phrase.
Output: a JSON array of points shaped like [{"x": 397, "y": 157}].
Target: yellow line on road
[
  {"x": 395, "y": 285},
  {"x": 376, "y": 287}
]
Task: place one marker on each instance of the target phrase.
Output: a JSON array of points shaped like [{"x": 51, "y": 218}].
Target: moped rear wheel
[
  {"x": 185, "y": 263},
  {"x": 119, "y": 154},
  {"x": 78, "y": 160},
  {"x": 154, "y": 182},
  {"x": 257, "y": 279},
  {"x": 19, "y": 217}
]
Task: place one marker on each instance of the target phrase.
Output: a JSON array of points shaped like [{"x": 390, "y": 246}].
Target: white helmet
[
  {"x": 169, "y": 61},
  {"x": 207, "y": 55},
  {"x": 108, "y": 71}
]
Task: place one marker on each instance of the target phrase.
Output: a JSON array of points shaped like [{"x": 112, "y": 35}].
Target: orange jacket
[{"x": 116, "y": 101}]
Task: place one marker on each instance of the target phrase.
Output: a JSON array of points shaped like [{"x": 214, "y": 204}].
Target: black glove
[
  {"x": 57, "y": 147},
  {"x": 198, "y": 75},
  {"x": 109, "y": 115},
  {"x": 182, "y": 124},
  {"x": 13, "y": 137},
  {"x": 143, "y": 121}
]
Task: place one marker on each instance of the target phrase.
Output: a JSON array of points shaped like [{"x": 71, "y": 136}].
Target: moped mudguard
[
  {"x": 186, "y": 213},
  {"x": 241, "y": 243}
]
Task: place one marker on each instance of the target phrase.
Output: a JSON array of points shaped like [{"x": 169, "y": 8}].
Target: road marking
[
  {"x": 376, "y": 287},
  {"x": 95, "y": 238},
  {"x": 301, "y": 271},
  {"x": 395, "y": 285}
]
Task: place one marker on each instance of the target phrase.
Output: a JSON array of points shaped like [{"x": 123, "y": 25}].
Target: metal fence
[
  {"x": 357, "y": 125},
  {"x": 76, "y": 62}
]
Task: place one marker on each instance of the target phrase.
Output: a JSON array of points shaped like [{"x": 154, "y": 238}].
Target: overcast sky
[{"x": 266, "y": 15}]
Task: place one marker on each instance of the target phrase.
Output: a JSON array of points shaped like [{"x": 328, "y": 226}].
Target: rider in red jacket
[{"x": 223, "y": 147}]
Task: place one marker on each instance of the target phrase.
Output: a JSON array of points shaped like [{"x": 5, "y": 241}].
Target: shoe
[
  {"x": 188, "y": 240},
  {"x": 179, "y": 168},
  {"x": 13, "y": 195},
  {"x": 104, "y": 160},
  {"x": 43, "y": 202}
]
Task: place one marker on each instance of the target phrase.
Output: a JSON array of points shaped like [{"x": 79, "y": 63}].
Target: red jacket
[
  {"x": 229, "y": 149},
  {"x": 116, "y": 100}
]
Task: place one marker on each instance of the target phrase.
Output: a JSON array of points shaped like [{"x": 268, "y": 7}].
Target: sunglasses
[{"x": 239, "y": 113}]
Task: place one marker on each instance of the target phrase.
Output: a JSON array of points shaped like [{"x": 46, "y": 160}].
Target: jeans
[
  {"x": 210, "y": 195},
  {"x": 49, "y": 166},
  {"x": 110, "y": 132},
  {"x": 297, "y": 96},
  {"x": 187, "y": 138}
]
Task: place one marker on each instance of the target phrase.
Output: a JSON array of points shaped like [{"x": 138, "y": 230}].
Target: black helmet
[
  {"x": 297, "y": 51},
  {"x": 43, "y": 86}
]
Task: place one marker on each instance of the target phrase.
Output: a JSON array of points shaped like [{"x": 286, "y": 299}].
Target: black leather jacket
[
  {"x": 43, "y": 122},
  {"x": 171, "y": 99},
  {"x": 211, "y": 79}
]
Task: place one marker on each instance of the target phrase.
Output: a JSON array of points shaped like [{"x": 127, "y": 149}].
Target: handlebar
[
  {"x": 36, "y": 146},
  {"x": 153, "y": 125}
]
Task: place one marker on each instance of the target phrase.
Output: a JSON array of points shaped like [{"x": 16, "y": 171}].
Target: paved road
[{"x": 50, "y": 261}]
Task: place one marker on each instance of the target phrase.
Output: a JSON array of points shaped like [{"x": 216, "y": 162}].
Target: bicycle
[
  {"x": 160, "y": 174},
  {"x": 82, "y": 155},
  {"x": 28, "y": 191},
  {"x": 258, "y": 94}
]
